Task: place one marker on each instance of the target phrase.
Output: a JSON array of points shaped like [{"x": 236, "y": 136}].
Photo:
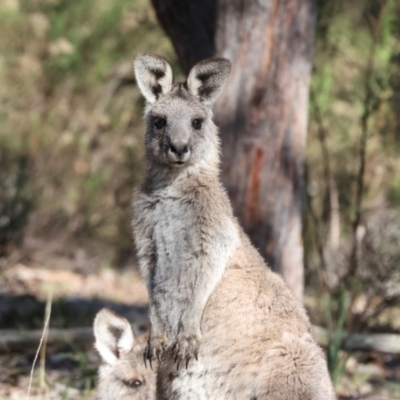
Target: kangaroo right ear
[
  {"x": 113, "y": 334},
  {"x": 153, "y": 75}
]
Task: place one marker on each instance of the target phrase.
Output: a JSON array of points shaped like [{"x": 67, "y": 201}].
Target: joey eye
[
  {"x": 159, "y": 122},
  {"x": 133, "y": 383},
  {"x": 197, "y": 123}
]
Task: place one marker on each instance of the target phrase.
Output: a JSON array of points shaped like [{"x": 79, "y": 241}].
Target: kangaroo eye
[
  {"x": 133, "y": 383},
  {"x": 196, "y": 123},
  {"x": 159, "y": 122}
]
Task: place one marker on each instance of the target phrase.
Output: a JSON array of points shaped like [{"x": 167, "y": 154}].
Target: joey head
[{"x": 122, "y": 374}]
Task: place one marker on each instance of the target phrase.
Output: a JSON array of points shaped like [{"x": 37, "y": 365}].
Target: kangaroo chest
[
  {"x": 175, "y": 241},
  {"x": 176, "y": 246},
  {"x": 174, "y": 235}
]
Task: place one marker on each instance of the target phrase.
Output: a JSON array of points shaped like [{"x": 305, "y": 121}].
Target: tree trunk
[
  {"x": 262, "y": 114},
  {"x": 191, "y": 26}
]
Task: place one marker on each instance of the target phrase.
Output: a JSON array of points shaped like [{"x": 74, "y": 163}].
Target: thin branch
[
  {"x": 333, "y": 202},
  {"x": 322, "y": 134},
  {"x": 360, "y": 183},
  {"x": 317, "y": 235}
]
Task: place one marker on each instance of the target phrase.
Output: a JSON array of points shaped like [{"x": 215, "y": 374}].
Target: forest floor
[{"x": 80, "y": 287}]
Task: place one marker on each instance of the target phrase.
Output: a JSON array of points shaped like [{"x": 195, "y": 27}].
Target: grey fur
[
  {"x": 211, "y": 294},
  {"x": 122, "y": 374}
]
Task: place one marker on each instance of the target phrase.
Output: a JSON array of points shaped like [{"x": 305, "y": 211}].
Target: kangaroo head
[
  {"x": 122, "y": 374},
  {"x": 180, "y": 130}
]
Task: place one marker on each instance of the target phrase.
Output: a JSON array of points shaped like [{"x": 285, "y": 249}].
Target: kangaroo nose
[{"x": 179, "y": 148}]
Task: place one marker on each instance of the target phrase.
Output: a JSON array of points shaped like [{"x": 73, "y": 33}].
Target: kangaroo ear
[
  {"x": 207, "y": 79},
  {"x": 153, "y": 75},
  {"x": 113, "y": 334}
]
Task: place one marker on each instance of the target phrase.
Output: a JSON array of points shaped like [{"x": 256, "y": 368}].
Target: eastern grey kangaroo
[
  {"x": 122, "y": 374},
  {"x": 222, "y": 323}
]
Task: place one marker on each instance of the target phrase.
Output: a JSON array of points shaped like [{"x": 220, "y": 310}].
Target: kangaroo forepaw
[
  {"x": 185, "y": 348},
  {"x": 154, "y": 350}
]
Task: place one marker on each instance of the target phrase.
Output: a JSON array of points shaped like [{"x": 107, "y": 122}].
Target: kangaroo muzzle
[{"x": 178, "y": 151}]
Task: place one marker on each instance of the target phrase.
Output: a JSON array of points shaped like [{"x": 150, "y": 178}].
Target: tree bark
[
  {"x": 262, "y": 114},
  {"x": 191, "y": 26}
]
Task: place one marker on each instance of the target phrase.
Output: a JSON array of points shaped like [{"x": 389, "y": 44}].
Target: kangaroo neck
[{"x": 159, "y": 178}]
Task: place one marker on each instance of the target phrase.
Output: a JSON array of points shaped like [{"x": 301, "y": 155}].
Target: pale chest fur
[{"x": 181, "y": 235}]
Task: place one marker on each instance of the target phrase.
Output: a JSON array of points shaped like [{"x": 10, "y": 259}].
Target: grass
[
  {"x": 335, "y": 357},
  {"x": 57, "y": 61}
]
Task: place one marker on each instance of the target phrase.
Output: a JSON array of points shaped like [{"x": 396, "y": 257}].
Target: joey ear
[
  {"x": 207, "y": 79},
  {"x": 113, "y": 334},
  {"x": 153, "y": 75}
]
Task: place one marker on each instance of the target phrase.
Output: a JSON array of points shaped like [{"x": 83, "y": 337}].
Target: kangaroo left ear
[
  {"x": 153, "y": 75},
  {"x": 207, "y": 79}
]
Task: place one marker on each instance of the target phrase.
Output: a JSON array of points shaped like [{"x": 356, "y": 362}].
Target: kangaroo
[
  {"x": 122, "y": 375},
  {"x": 222, "y": 323}
]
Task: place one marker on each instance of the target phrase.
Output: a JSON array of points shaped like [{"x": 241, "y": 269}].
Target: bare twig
[
  {"x": 332, "y": 193},
  {"x": 42, "y": 339},
  {"x": 317, "y": 234},
  {"x": 121, "y": 76},
  {"x": 361, "y": 323},
  {"x": 333, "y": 202},
  {"x": 334, "y": 223},
  {"x": 360, "y": 183},
  {"x": 322, "y": 135},
  {"x": 42, "y": 383}
]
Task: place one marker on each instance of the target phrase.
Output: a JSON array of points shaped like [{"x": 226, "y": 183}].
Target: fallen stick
[
  {"x": 382, "y": 342},
  {"x": 11, "y": 339}
]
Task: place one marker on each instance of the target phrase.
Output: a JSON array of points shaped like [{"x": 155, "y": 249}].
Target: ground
[{"x": 79, "y": 287}]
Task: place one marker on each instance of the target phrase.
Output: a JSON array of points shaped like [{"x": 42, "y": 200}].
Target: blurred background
[{"x": 71, "y": 149}]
